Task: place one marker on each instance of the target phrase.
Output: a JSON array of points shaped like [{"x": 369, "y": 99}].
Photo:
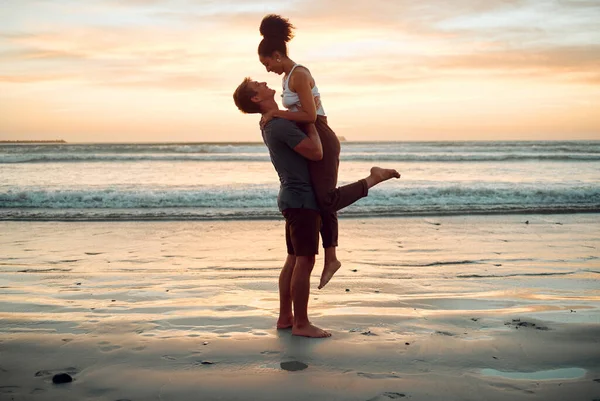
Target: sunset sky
[{"x": 165, "y": 70}]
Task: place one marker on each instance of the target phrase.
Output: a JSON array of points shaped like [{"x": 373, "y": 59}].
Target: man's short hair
[{"x": 243, "y": 98}]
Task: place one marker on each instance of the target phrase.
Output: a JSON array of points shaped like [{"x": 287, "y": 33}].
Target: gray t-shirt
[{"x": 281, "y": 137}]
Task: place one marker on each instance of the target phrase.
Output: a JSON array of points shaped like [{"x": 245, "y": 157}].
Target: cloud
[
  {"x": 37, "y": 54},
  {"x": 145, "y": 51},
  {"x": 31, "y": 78},
  {"x": 178, "y": 82}
]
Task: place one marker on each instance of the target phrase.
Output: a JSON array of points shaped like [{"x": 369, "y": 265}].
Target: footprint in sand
[
  {"x": 387, "y": 396},
  {"x": 270, "y": 352},
  {"x": 378, "y": 375},
  {"x": 109, "y": 348},
  {"x": 44, "y": 373},
  {"x": 8, "y": 389},
  {"x": 204, "y": 363},
  {"x": 517, "y": 323}
]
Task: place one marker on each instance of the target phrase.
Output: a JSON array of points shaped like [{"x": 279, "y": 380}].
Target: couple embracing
[{"x": 305, "y": 153}]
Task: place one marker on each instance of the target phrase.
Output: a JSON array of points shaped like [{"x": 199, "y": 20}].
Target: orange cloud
[{"x": 175, "y": 63}]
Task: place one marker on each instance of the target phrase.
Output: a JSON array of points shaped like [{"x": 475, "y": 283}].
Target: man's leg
[
  {"x": 300, "y": 295},
  {"x": 286, "y": 317},
  {"x": 302, "y": 237}
]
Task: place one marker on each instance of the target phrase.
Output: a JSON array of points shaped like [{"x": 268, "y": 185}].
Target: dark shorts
[{"x": 302, "y": 231}]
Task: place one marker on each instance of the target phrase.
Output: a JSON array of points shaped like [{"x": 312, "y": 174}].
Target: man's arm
[{"x": 310, "y": 147}]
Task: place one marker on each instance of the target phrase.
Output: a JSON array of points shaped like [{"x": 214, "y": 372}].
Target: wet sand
[{"x": 436, "y": 308}]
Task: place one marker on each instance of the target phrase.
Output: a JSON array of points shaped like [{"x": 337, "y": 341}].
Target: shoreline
[
  {"x": 278, "y": 217},
  {"x": 34, "y": 141}
]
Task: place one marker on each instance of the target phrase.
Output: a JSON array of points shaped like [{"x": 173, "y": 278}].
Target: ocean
[{"x": 203, "y": 181}]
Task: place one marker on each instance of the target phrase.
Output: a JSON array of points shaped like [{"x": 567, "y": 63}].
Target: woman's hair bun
[{"x": 276, "y": 27}]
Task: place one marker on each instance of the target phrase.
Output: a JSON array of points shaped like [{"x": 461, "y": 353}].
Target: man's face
[{"x": 263, "y": 92}]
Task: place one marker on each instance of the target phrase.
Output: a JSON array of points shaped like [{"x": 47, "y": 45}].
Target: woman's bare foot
[
  {"x": 310, "y": 331},
  {"x": 379, "y": 174},
  {"x": 285, "y": 322},
  {"x": 328, "y": 271}
]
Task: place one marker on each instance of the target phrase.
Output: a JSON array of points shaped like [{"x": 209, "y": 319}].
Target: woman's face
[{"x": 271, "y": 64}]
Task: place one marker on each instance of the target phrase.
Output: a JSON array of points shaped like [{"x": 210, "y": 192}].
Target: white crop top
[{"x": 291, "y": 100}]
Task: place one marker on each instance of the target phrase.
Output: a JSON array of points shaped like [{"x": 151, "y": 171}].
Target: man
[{"x": 289, "y": 148}]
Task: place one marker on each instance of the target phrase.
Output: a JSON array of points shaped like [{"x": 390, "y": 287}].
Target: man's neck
[{"x": 269, "y": 106}]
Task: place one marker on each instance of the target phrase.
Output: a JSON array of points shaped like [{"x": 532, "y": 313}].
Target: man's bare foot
[
  {"x": 310, "y": 331},
  {"x": 379, "y": 174},
  {"x": 285, "y": 322},
  {"x": 328, "y": 271}
]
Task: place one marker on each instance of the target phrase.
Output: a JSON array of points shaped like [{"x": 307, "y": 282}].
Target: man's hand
[{"x": 268, "y": 116}]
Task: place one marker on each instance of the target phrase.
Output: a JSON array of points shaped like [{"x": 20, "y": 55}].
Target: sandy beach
[{"x": 502, "y": 307}]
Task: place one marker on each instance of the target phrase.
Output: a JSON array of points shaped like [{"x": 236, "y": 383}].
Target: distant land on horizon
[
  {"x": 341, "y": 138},
  {"x": 36, "y": 141}
]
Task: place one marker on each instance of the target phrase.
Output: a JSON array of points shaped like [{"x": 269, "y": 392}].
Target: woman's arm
[{"x": 300, "y": 82}]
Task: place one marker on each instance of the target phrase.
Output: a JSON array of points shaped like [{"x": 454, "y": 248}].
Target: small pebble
[
  {"x": 347, "y": 289},
  {"x": 293, "y": 366},
  {"x": 62, "y": 378},
  {"x": 406, "y": 343}
]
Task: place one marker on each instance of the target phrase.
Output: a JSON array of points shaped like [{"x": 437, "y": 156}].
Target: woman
[{"x": 301, "y": 98}]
